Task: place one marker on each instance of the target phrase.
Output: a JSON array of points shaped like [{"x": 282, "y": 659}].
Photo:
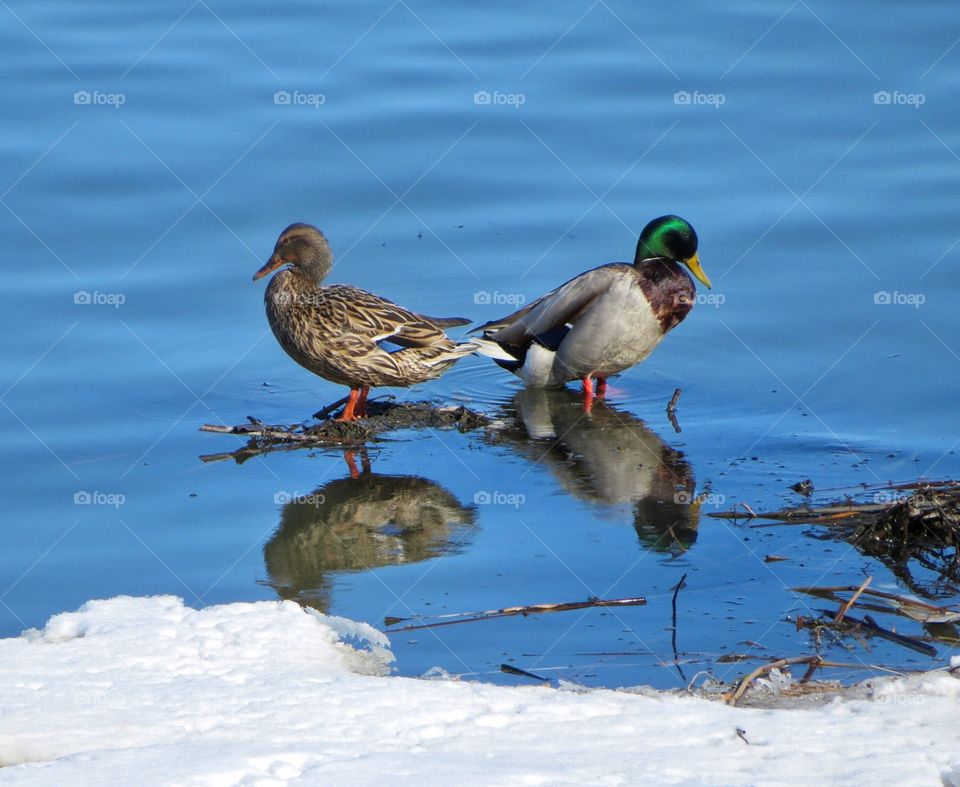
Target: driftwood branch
[
  {"x": 529, "y": 609},
  {"x": 384, "y": 417},
  {"x": 845, "y": 607},
  {"x": 911, "y": 608},
  {"x": 672, "y": 410},
  {"x": 511, "y": 670},
  {"x": 744, "y": 684},
  {"x": 913, "y": 643}
]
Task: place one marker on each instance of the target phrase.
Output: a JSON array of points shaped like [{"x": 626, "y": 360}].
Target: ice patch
[{"x": 148, "y": 691}]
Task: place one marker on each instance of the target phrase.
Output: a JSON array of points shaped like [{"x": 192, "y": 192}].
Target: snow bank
[{"x": 147, "y": 691}]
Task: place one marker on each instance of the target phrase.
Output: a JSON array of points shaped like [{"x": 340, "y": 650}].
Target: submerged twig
[
  {"x": 870, "y": 626},
  {"x": 323, "y": 413},
  {"x": 673, "y": 602},
  {"x": 529, "y": 609},
  {"x": 802, "y": 515},
  {"x": 913, "y": 609},
  {"x": 845, "y": 607},
  {"x": 913, "y": 523},
  {"x": 672, "y": 410},
  {"x": 672, "y": 404},
  {"x": 673, "y": 633},
  {"x": 511, "y": 670}
]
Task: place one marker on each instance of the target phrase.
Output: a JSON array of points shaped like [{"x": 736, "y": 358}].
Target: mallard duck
[
  {"x": 606, "y": 319},
  {"x": 361, "y": 523},
  {"x": 610, "y": 459},
  {"x": 338, "y": 332}
]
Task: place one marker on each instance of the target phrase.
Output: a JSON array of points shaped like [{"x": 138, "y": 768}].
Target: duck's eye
[{"x": 284, "y": 241}]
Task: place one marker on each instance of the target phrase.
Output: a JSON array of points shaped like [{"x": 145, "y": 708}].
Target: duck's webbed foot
[{"x": 350, "y": 410}]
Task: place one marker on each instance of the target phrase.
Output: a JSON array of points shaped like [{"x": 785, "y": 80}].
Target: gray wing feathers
[{"x": 560, "y": 307}]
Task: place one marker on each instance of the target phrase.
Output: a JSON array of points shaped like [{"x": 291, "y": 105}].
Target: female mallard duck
[
  {"x": 338, "y": 331},
  {"x": 605, "y": 320}
]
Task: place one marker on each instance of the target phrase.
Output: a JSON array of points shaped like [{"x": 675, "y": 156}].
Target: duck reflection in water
[
  {"x": 607, "y": 457},
  {"x": 361, "y": 521}
]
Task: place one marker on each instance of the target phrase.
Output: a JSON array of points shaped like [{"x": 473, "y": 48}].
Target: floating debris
[
  {"x": 384, "y": 417},
  {"x": 916, "y": 521},
  {"x": 527, "y": 609}
]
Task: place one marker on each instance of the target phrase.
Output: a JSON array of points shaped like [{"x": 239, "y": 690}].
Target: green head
[{"x": 673, "y": 238}]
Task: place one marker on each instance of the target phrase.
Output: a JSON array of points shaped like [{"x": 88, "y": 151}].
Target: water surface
[{"x": 151, "y": 154}]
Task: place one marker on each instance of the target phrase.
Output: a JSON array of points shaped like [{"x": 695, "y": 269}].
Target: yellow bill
[{"x": 693, "y": 263}]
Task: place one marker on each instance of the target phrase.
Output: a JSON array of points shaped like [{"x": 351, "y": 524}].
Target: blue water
[{"x": 152, "y": 152}]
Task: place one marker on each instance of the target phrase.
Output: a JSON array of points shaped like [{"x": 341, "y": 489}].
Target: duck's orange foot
[
  {"x": 356, "y": 406},
  {"x": 350, "y": 409},
  {"x": 591, "y": 392}
]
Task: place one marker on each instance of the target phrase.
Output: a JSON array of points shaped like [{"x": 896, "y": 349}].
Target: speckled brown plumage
[{"x": 338, "y": 331}]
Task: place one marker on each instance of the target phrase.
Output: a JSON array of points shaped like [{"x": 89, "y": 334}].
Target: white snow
[{"x": 147, "y": 691}]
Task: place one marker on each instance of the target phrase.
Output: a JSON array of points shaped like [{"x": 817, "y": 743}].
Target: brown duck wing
[
  {"x": 558, "y": 308},
  {"x": 376, "y": 319}
]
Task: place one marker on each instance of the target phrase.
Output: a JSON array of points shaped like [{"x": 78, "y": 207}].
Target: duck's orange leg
[
  {"x": 350, "y": 457},
  {"x": 587, "y": 394},
  {"x": 601, "y": 387},
  {"x": 351, "y": 463},
  {"x": 349, "y": 413},
  {"x": 361, "y": 408}
]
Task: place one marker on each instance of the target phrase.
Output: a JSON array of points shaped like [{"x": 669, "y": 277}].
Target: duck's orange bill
[{"x": 269, "y": 267}]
